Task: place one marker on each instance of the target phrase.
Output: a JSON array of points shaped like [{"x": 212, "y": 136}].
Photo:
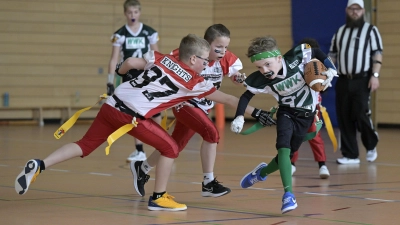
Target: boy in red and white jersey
[{"x": 192, "y": 117}]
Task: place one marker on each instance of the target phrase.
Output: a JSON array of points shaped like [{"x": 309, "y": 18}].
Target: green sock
[
  {"x": 272, "y": 167},
  {"x": 285, "y": 168}
]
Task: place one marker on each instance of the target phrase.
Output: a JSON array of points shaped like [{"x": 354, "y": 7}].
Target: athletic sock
[
  {"x": 146, "y": 167},
  {"x": 285, "y": 168},
  {"x": 158, "y": 195},
  {"x": 320, "y": 164},
  {"x": 208, "y": 177},
  {"x": 272, "y": 167},
  {"x": 139, "y": 147}
]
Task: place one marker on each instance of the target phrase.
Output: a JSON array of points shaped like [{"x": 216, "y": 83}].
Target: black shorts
[{"x": 292, "y": 128}]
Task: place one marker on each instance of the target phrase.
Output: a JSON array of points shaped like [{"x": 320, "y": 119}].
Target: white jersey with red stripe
[
  {"x": 215, "y": 71},
  {"x": 165, "y": 83}
]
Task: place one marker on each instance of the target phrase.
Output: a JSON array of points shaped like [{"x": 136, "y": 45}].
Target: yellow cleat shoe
[
  {"x": 27, "y": 176},
  {"x": 165, "y": 203}
]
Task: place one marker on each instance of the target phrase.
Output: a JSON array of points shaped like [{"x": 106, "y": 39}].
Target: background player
[{"x": 133, "y": 39}]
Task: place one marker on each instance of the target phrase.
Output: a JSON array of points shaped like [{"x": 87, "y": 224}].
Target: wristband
[
  {"x": 256, "y": 113},
  {"x": 110, "y": 78}
]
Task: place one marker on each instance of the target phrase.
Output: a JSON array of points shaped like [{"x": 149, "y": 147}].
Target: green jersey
[
  {"x": 134, "y": 44},
  {"x": 289, "y": 88}
]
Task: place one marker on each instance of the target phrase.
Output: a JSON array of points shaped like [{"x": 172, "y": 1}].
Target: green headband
[{"x": 264, "y": 55}]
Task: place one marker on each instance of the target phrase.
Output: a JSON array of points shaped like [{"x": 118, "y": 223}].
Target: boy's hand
[
  {"x": 240, "y": 77},
  {"x": 110, "y": 89},
  {"x": 330, "y": 73},
  {"x": 263, "y": 117},
  {"x": 237, "y": 124}
]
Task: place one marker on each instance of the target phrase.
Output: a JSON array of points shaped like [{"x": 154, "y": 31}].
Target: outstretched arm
[
  {"x": 229, "y": 100},
  {"x": 238, "y": 78}
]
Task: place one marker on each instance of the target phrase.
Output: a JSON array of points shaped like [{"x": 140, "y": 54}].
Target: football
[{"x": 313, "y": 74}]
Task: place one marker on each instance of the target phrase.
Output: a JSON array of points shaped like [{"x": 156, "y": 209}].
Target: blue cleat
[
  {"x": 253, "y": 177},
  {"x": 289, "y": 202}
]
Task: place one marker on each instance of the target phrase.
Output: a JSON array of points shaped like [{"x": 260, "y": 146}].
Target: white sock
[
  {"x": 146, "y": 167},
  {"x": 208, "y": 177}
]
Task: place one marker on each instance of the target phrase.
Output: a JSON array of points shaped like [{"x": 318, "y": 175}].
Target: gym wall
[{"x": 56, "y": 52}]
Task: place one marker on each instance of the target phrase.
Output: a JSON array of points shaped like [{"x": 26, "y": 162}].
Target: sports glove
[
  {"x": 110, "y": 89},
  {"x": 263, "y": 117},
  {"x": 330, "y": 73},
  {"x": 237, "y": 124},
  {"x": 240, "y": 77}
]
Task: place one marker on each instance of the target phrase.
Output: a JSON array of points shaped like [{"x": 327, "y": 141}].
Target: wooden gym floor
[{"x": 99, "y": 188}]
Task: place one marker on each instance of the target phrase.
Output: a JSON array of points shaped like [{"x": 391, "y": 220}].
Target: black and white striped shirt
[{"x": 354, "y": 47}]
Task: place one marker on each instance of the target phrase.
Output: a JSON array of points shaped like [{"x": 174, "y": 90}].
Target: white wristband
[{"x": 110, "y": 78}]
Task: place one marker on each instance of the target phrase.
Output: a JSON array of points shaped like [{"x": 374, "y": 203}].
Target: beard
[{"x": 354, "y": 23}]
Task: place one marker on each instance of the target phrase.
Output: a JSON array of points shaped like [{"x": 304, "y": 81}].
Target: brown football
[{"x": 313, "y": 74}]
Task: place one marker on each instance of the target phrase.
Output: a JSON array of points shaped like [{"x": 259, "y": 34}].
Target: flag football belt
[
  {"x": 125, "y": 109},
  {"x": 273, "y": 110},
  {"x": 164, "y": 121},
  {"x": 127, "y": 127},
  {"x": 116, "y": 134},
  {"x": 309, "y": 136},
  {"x": 298, "y": 113},
  {"x": 329, "y": 128},
  {"x": 71, "y": 121}
]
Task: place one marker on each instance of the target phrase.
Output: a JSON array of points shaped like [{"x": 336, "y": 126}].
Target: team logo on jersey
[
  {"x": 115, "y": 38},
  {"x": 217, "y": 70},
  {"x": 290, "y": 85},
  {"x": 212, "y": 77},
  {"x": 135, "y": 42},
  {"x": 171, "y": 65},
  {"x": 294, "y": 64}
]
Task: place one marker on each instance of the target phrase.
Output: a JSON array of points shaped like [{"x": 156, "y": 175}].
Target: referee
[{"x": 357, "y": 49}]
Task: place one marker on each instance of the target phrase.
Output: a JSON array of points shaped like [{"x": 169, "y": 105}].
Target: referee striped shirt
[{"x": 354, "y": 47}]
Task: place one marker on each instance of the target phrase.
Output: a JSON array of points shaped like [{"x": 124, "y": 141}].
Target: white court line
[
  {"x": 377, "y": 199},
  {"x": 101, "y": 174},
  {"x": 3, "y": 165},
  {"x": 313, "y": 193},
  {"x": 372, "y": 199},
  {"x": 59, "y": 170},
  {"x": 264, "y": 189}
]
